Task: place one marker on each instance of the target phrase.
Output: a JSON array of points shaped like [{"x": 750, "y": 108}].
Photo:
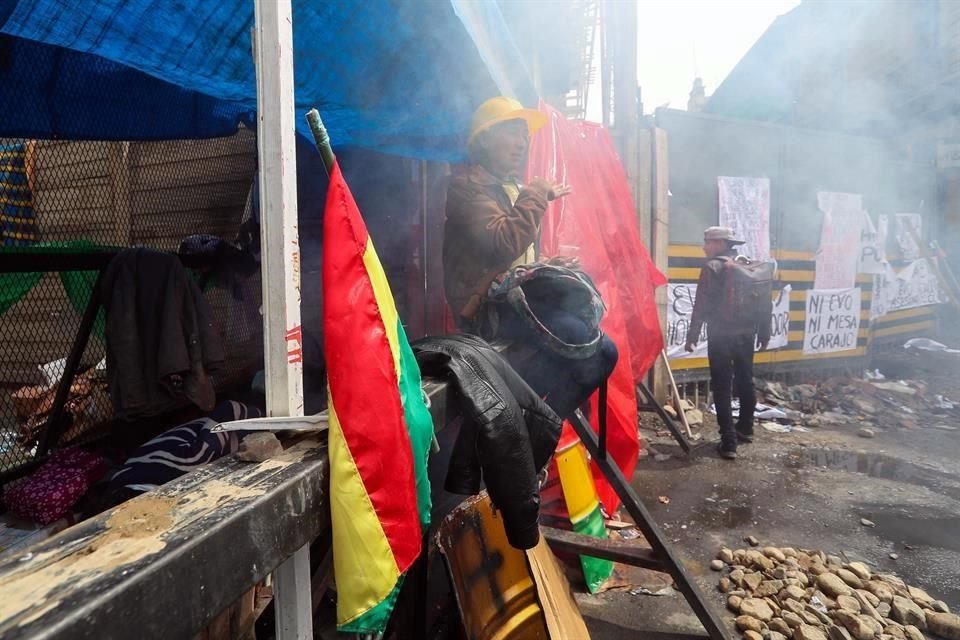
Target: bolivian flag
[{"x": 380, "y": 428}]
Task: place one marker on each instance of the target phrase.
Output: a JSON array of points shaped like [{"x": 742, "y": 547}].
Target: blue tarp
[{"x": 392, "y": 75}]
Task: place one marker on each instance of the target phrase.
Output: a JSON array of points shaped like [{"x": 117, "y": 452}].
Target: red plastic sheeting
[{"x": 598, "y": 224}]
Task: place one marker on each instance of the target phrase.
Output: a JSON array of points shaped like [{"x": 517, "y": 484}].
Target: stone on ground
[
  {"x": 778, "y": 625},
  {"x": 850, "y": 578},
  {"x": 838, "y": 633},
  {"x": 867, "y": 432},
  {"x": 752, "y": 635},
  {"x": 907, "y": 612},
  {"x": 725, "y": 556},
  {"x": 747, "y": 623},
  {"x": 769, "y": 588},
  {"x": 794, "y": 592},
  {"x": 792, "y": 619},
  {"x": 756, "y": 608},
  {"x": 849, "y": 603},
  {"x": 717, "y": 565},
  {"x": 752, "y": 541},
  {"x": 860, "y": 570},
  {"x": 945, "y": 625},
  {"x": 773, "y": 552},
  {"x": 832, "y": 585},
  {"x": 808, "y": 632},
  {"x": 733, "y": 603},
  {"x": 752, "y": 580},
  {"x": 913, "y": 633},
  {"x": 940, "y": 606},
  {"x": 858, "y": 628},
  {"x": 881, "y": 590},
  {"x": 921, "y": 597}
]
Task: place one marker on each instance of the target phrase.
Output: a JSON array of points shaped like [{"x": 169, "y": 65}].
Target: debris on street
[{"x": 777, "y": 593}]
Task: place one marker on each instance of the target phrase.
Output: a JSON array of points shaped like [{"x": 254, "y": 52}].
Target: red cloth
[
  {"x": 598, "y": 224},
  {"x": 51, "y": 491}
]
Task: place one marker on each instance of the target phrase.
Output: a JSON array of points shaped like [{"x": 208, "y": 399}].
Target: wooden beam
[
  {"x": 119, "y": 162},
  {"x": 603, "y": 548},
  {"x": 164, "y": 564},
  {"x": 283, "y": 333},
  {"x": 660, "y": 242}
]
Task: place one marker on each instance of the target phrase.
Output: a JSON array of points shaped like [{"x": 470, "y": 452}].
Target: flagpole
[{"x": 322, "y": 139}]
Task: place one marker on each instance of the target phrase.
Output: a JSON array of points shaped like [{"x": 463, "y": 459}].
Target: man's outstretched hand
[{"x": 550, "y": 190}]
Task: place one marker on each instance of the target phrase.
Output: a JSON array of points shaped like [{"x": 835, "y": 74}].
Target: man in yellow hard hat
[{"x": 493, "y": 222}]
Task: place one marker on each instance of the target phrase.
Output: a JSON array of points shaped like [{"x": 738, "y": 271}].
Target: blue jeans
[{"x": 564, "y": 383}]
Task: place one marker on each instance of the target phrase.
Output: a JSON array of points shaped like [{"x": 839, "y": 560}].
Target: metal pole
[
  {"x": 282, "y": 331},
  {"x": 322, "y": 139}
]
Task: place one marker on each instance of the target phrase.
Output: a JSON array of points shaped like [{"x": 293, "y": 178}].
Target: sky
[{"x": 681, "y": 39}]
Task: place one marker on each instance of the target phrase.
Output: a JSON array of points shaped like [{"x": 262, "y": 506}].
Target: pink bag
[{"x": 50, "y": 492}]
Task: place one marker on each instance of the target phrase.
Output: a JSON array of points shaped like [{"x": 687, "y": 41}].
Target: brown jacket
[{"x": 483, "y": 235}]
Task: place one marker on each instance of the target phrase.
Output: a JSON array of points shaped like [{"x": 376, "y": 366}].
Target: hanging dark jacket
[
  {"x": 508, "y": 435},
  {"x": 161, "y": 341}
]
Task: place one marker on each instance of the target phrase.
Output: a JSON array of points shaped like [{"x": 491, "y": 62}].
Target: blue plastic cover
[{"x": 395, "y": 76}]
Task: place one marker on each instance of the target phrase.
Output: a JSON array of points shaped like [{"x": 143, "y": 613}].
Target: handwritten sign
[
  {"x": 745, "y": 208},
  {"x": 680, "y": 299},
  {"x": 833, "y": 321},
  {"x": 914, "y": 286},
  {"x": 908, "y": 245},
  {"x": 839, "y": 255},
  {"x": 873, "y": 243}
]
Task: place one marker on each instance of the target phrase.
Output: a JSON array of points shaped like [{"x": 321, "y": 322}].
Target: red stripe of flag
[{"x": 362, "y": 375}]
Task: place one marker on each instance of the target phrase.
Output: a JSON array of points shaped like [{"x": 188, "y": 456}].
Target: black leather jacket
[{"x": 508, "y": 432}]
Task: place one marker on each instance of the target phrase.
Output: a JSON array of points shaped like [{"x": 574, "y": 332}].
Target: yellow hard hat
[{"x": 501, "y": 109}]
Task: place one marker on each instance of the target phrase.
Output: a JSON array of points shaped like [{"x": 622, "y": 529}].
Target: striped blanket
[{"x": 180, "y": 450}]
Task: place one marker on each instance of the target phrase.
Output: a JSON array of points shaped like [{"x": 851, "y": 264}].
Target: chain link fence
[{"x": 85, "y": 197}]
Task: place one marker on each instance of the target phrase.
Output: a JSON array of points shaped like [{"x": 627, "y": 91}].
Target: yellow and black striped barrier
[{"x": 797, "y": 268}]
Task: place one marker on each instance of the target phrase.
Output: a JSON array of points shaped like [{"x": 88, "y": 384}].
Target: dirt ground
[{"x": 805, "y": 490}]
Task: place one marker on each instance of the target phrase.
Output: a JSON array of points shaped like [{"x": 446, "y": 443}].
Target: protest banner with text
[
  {"x": 744, "y": 205},
  {"x": 680, "y": 299},
  {"x": 832, "y": 321}
]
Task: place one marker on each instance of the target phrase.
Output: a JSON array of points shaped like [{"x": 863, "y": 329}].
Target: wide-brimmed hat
[
  {"x": 721, "y": 233},
  {"x": 502, "y": 109}
]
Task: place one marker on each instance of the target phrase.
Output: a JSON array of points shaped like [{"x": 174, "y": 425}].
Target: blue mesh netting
[{"x": 401, "y": 77}]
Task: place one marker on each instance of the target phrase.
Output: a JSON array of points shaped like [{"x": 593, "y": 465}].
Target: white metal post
[{"x": 283, "y": 348}]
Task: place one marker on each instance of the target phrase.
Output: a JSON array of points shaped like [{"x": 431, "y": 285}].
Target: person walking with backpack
[{"x": 734, "y": 299}]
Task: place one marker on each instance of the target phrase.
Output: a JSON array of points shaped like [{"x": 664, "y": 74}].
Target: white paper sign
[
  {"x": 915, "y": 286},
  {"x": 780, "y": 322},
  {"x": 680, "y": 299},
  {"x": 833, "y": 321},
  {"x": 908, "y": 246},
  {"x": 839, "y": 256},
  {"x": 873, "y": 258},
  {"x": 745, "y": 208}
]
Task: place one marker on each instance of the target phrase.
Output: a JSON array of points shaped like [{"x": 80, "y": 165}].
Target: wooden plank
[
  {"x": 178, "y": 174},
  {"x": 120, "y": 191},
  {"x": 625, "y": 552},
  {"x": 660, "y": 243},
  {"x": 192, "y": 547},
  {"x": 276, "y": 150},
  {"x": 72, "y": 198},
  {"x": 561, "y": 614},
  {"x": 200, "y": 196},
  {"x": 147, "y": 153}
]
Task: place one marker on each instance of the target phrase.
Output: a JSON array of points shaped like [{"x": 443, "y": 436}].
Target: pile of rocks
[{"x": 780, "y": 592}]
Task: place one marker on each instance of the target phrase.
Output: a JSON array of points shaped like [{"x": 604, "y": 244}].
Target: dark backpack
[
  {"x": 528, "y": 287},
  {"x": 748, "y": 289}
]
